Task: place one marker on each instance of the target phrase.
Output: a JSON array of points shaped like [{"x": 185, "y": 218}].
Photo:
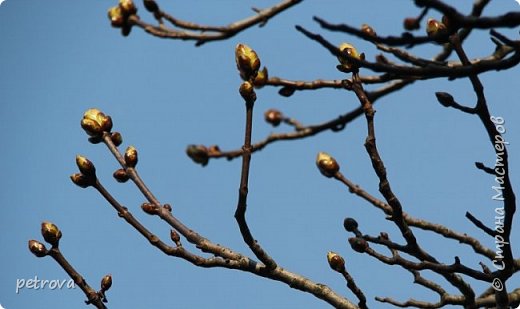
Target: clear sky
[{"x": 59, "y": 58}]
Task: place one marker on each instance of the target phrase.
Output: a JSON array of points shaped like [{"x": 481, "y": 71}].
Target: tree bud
[
  {"x": 149, "y": 208},
  {"x": 116, "y": 138},
  {"x": 198, "y": 153},
  {"x": 358, "y": 244},
  {"x": 327, "y": 164},
  {"x": 273, "y": 116},
  {"x": 350, "y": 50},
  {"x": 51, "y": 233},
  {"x": 120, "y": 175},
  {"x": 151, "y": 6},
  {"x": 116, "y": 17},
  {"x": 81, "y": 180},
  {"x": 365, "y": 28},
  {"x": 436, "y": 30},
  {"x": 127, "y": 7},
  {"x": 106, "y": 283},
  {"x": 350, "y": 224},
  {"x": 445, "y": 99},
  {"x": 85, "y": 166},
  {"x": 261, "y": 78},
  {"x": 247, "y": 61},
  {"x": 95, "y": 122},
  {"x": 286, "y": 91},
  {"x": 410, "y": 24},
  {"x": 131, "y": 156},
  {"x": 176, "y": 238},
  {"x": 247, "y": 91},
  {"x": 336, "y": 262},
  {"x": 37, "y": 248}
]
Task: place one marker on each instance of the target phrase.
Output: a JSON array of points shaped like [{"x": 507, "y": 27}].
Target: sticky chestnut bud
[
  {"x": 261, "y": 78},
  {"x": 51, "y": 233},
  {"x": 131, "y": 156},
  {"x": 81, "y": 180},
  {"x": 273, "y": 116},
  {"x": 350, "y": 224},
  {"x": 127, "y": 7},
  {"x": 198, "y": 153},
  {"x": 327, "y": 165},
  {"x": 336, "y": 262},
  {"x": 86, "y": 167},
  {"x": 350, "y": 50},
  {"x": 95, "y": 122},
  {"x": 116, "y": 138},
  {"x": 358, "y": 244},
  {"x": 445, "y": 99},
  {"x": 106, "y": 282},
  {"x": 247, "y": 91},
  {"x": 149, "y": 208},
  {"x": 436, "y": 30},
  {"x": 120, "y": 175},
  {"x": 37, "y": 248},
  {"x": 115, "y": 15},
  {"x": 247, "y": 61}
]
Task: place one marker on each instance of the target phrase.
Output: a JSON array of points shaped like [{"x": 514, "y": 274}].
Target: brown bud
[
  {"x": 214, "y": 150},
  {"x": 261, "y": 78},
  {"x": 286, "y": 91},
  {"x": 51, "y": 233},
  {"x": 81, "y": 180},
  {"x": 350, "y": 224},
  {"x": 131, "y": 156},
  {"x": 95, "y": 122},
  {"x": 168, "y": 207},
  {"x": 247, "y": 61},
  {"x": 116, "y": 138},
  {"x": 336, "y": 262},
  {"x": 120, "y": 175},
  {"x": 411, "y": 23},
  {"x": 273, "y": 117},
  {"x": 358, "y": 244},
  {"x": 247, "y": 91},
  {"x": 106, "y": 282},
  {"x": 198, "y": 153},
  {"x": 127, "y": 7},
  {"x": 116, "y": 17},
  {"x": 176, "y": 238},
  {"x": 445, "y": 99},
  {"x": 85, "y": 166},
  {"x": 436, "y": 30},
  {"x": 37, "y": 248},
  {"x": 365, "y": 28},
  {"x": 149, "y": 208},
  {"x": 151, "y": 6},
  {"x": 350, "y": 50},
  {"x": 126, "y": 29},
  {"x": 327, "y": 164}
]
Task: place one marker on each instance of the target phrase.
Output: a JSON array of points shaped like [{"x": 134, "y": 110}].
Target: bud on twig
[
  {"x": 106, "y": 283},
  {"x": 116, "y": 138},
  {"x": 336, "y": 262},
  {"x": 37, "y": 248},
  {"x": 151, "y": 6},
  {"x": 247, "y": 61},
  {"x": 51, "y": 233},
  {"x": 176, "y": 238},
  {"x": 350, "y": 224},
  {"x": 131, "y": 156},
  {"x": 411, "y": 23},
  {"x": 368, "y": 30},
  {"x": 358, "y": 244},
  {"x": 273, "y": 116},
  {"x": 127, "y": 7},
  {"x": 327, "y": 164},
  {"x": 149, "y": 208},
  {"x": 350, "y": 50},
  {"x": 198, "y": 153},
  {"x": 85, "y": 166},
  {"x": 81, "y": 180},
  {"x": 247, "y": 91},
  {"x": 120, "y": 175},
  {"x": 445, "y": 99},
  {"x": 436, "y": 30},
  {"x": 261, "y": 78},
  {"x": 95, "y": 122},
  {"x": 116, "y": 17}
]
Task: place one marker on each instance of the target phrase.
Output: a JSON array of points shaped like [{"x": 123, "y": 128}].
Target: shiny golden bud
[
  {"x": 327, "y": 164},
  {"x": 350, "y": 50},
  {"x": 95, "y": 122},
  {"x": 85, "y": 166},
  {"x": 131, "y": 156},
  {"x": 106, "y": 283},
  {"x": 365, "y": 28},
  {"x": 247, "y": 91},
  {"x": 436, "y": 30},
  {"x": 37, "y": 248},
  {"x": 81, "y": 180},
  {"x": 261, "y": 78},
  {"x": 198, "y": 153},
  {"x": 273, "y": 116},
  {"x": 127, "y": 7},
  {"x": 247, "y": 61},
  {"x": 336, "y": 262},
  {"x": 51, "y": 233},
  {"x": 115, "y": 15}
]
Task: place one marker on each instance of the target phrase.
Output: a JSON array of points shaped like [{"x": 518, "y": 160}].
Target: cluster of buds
[
  {"x": 347, "y": 49},
  {"x": 51, "y": 233},
  {"x": 119, "y": 15},
  {"x": 87, "y": 175},
  {"x": 336, "y": 262},
  {"x": 247, "y": 62},
  {"x": 95, "y": 122},
  {"x": 327, "y": 165},
  {"x": 274, "y": 117},
  {"x": 437, "y": 30}
]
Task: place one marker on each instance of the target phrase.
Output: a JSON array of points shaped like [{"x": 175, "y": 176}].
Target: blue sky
[{"x": 59, "y": 59}]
